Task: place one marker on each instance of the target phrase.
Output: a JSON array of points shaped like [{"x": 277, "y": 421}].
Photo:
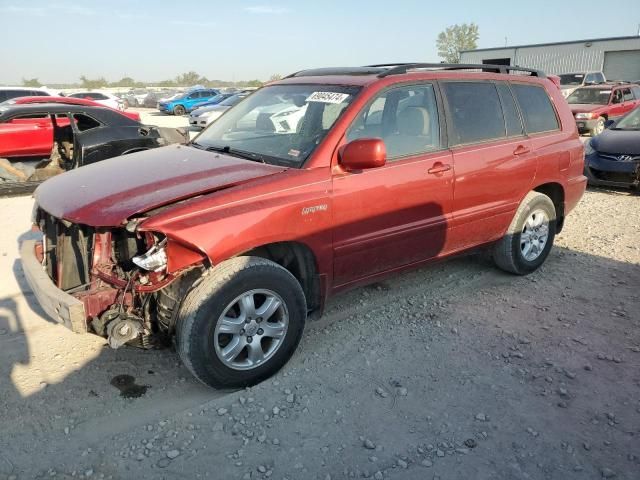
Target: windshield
[
  {"x": 593, "y": 96},
  {"x": 280, "y": 124},
  {"x": 630, "y": 122},
  {"x": 571, "y": 79}
]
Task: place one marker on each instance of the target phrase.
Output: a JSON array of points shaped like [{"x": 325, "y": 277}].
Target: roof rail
[
  {"x": 400, "y": 68},
  {"x": 336, "y": 71}
]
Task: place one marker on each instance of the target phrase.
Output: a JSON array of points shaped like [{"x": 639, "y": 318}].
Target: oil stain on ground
[{"x": 128, "y": 387}]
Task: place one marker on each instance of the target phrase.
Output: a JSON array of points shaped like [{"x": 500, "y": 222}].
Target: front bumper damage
[{"x": 57, "y": 304}]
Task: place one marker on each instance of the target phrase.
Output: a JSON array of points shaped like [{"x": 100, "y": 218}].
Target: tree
[
  {"x": 455, "y": 39},
  {"x": 274, "y": 77},
  {"x": 31, "y": 82},
  {"x": 124, "y": 82},
  {"x": 190, "y": 78},
  {"x": 92, "y": 83}
]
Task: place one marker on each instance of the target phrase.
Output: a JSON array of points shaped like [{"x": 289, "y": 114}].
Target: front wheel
[
  {"x": 179, "y": 110},
  {"x": 528, "y": 240},
  {"x": 599, "y": 128},
  {"x": 241, "y": 323}
]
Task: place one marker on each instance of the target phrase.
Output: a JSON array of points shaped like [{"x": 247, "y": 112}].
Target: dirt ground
[{"x": 456, "y": 371}]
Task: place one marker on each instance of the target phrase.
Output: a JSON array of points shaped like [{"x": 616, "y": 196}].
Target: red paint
[
  {"x": 360, "y": 224},
  {"x": 33, "y": 137}
]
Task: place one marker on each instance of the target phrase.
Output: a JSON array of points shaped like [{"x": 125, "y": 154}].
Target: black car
[
  {"x": 81, "y": 135},
  {"x": 613, "y": 158}
]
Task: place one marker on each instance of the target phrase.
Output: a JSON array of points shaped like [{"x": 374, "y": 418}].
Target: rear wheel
[
  {"x": 599, "y": 128},
  {"x": 179, "y": 110},
  {"x": 241, "y": 323},
  {"x": 529, "y": 238}
]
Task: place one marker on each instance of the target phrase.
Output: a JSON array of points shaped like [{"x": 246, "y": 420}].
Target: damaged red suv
[{"x": 317, "y": 183}]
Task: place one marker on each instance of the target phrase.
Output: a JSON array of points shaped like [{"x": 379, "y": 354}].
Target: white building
[{"x": 618, "y": 58}]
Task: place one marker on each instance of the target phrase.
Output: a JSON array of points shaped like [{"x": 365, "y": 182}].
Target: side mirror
[
  {"x": 363, "y": 153},
  {"x": 609, "y": 123}
]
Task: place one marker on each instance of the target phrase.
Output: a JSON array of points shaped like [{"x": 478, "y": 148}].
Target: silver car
[{"x": 203, "y": 116}]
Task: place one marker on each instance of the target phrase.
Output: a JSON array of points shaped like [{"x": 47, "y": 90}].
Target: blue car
[
  {"x": 212, "y": 101},
  {"x": 185, "y": 103},
  {"x": 612, "y": 158}
]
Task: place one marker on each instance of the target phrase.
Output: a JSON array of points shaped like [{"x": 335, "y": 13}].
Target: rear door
[
  {"x": 492, "y": 156},
  {"x": 628, "y": 100},
  {"x": 395, "y": 215}
]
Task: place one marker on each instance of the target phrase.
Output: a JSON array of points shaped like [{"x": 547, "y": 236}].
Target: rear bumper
[
  {"x": 574, "y": 192},
  {"x": 57, "y": 304}
]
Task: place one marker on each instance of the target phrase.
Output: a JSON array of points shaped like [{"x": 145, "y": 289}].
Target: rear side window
[
  {"x": 636, "y": 92},
  {"x": 475, "y": 110},
  {"x": 537, "y": 110},
  {"x": 511, "y": 116},
  {"x": 626, "y": 95}
]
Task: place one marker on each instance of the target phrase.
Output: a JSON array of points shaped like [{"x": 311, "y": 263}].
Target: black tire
[
  {"x": 507, "y": 253},
  {"x": 599, "y": 128},
  {"x": 179, "y": 110},
  {"x": 204, "y": 305}
]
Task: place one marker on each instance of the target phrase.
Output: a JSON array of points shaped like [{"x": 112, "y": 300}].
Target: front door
[{"x": 395, "y": 215}]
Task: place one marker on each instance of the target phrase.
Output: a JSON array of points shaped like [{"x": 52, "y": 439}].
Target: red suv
[
  {"x": 594, "y": 105},
  {"x": 317, "y": 183}
]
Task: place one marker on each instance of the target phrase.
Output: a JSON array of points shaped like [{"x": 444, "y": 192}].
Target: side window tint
[
  {"x": 84, "y": 122},
  {"x": 405, "y": 118},
  {"x": 626, "y": 95},
  {"x": 511, "y": 115},
  {"x": 475, "y": 110},
  {"x": 636, "y": 92},
  {"x": 536, "y": 107}
]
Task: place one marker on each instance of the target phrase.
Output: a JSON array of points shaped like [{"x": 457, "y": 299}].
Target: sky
[{"x": 56, "y": 41}]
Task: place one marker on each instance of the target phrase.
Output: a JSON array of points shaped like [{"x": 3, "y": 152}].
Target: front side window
[
  {"x": 475, "y": 110},
  {"x": 279, "y": 124},
  {"x": 537, "y": 110},
  {"x": 405, "y": 118}
]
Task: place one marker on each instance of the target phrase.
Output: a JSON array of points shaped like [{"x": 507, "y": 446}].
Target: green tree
[
  {"x": 92, "y": 83},
  {"x": 274, "y": 77},
  {"x": 253, "y": 83},
  {"x": 455, "y": 39},
  {"x": 125, "y": 82},
  {"x": 31, "y": 82},
  {"x": 190, "y": 78}
]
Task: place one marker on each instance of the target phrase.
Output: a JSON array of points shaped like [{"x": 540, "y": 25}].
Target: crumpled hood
[
  {"x": 625, "y": 142},
  {"x": 584, "y": 107},
  {"x": 107, "y": 193}
]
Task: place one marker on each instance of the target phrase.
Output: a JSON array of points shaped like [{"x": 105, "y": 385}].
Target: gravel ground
[{"x": 456, "y": 371}]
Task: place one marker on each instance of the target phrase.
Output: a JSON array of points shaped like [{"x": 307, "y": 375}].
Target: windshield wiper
[{"x": 255, "y": 157}]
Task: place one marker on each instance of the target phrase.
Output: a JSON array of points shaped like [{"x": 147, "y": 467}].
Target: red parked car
[
  {"x": 592, "y": 106},
  {"x": 228, "y": 244},
  {"x": 33, "y": 137}
]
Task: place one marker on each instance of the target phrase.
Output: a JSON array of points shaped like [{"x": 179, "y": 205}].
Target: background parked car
[
  {"x": 106, "y": 99},
  {"x": 613, "y": 157},
  {"x": 212, "y": 101},
  {"x": 592, "y": 106},
  {"x": 7, "y": 93},
  {"x": 128, "y": 99},
  {"x": 68, "y": 136},
  {"x": 202, "y": 117},
  {"x": 569, "y": 82},
  {"x": 185, "y": 103},
  {"x": 68, "y": 101}
]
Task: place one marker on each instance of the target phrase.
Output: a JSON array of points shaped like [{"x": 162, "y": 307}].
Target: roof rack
[
  {"x": 337, "y": 71},
  {"x": 400, "y": 68}
]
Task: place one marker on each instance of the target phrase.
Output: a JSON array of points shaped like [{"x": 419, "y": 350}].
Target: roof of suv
[
  {"x": 371, "y": 73},
  {"x": 609, "y": 85}
]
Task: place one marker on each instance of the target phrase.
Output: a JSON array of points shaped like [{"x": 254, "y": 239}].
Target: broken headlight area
[{"x": 154, "y": 259}]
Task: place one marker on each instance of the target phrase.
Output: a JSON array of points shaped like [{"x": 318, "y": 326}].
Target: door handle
[
  {"x": 521, "y": 150},
  {"x": 439, "y": 167}
]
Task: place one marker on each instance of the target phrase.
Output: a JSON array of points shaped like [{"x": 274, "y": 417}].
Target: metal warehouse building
[{"x": 618, "y": 58}]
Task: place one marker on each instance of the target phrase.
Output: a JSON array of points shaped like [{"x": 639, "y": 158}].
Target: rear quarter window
[{"x": 537, "y": 110}]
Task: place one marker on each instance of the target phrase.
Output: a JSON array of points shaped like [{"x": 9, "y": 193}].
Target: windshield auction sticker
[{"x": 327, "y": 97}]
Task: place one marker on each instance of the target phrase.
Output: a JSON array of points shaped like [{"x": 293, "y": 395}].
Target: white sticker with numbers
[{"x": 327, "y": 97}]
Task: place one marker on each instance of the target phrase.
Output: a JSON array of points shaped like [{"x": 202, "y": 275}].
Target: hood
[
  {"x": 626, "y": 142},
  {"x": 584, "y": 107},
  {"x": 108, "y": 193}
]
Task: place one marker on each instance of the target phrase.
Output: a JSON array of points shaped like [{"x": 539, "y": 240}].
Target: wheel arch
[
  {"x": 555, "y": 192},
  {"x": 300, "y": 260}
]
